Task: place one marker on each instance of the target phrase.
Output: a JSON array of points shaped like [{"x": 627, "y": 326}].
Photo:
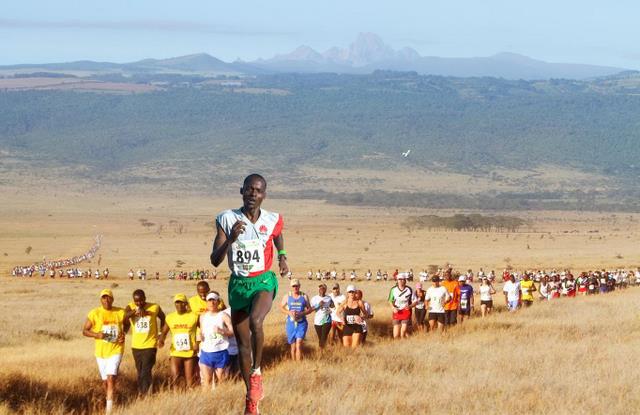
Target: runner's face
[
  {"x": 139, "y": 300},
  {"x": 181, "y": 307},
  {"x": 212, "y": 305},
  {"x": 322, "y": 291},
  {"x": 106, "y": 302},
  {"x": 401, "y": 283},
  {"x": 296, "y": 289},
  {"x": 253, "y": 193},
  {"x": 203, "y": 290}
]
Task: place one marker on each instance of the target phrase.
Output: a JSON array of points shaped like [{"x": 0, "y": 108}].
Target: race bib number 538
[{"x": 248, "y": 255}]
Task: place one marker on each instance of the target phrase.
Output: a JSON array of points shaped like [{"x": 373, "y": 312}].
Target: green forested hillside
[{"x": 335, "y": 120}]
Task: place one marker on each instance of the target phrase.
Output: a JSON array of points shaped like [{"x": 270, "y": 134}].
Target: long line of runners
[{"x": 202, "y": 345}]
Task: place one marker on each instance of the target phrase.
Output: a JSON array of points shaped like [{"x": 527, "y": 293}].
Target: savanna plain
[{"x": 566, "y": 356}]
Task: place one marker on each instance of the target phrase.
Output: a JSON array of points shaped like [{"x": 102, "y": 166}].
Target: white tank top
[
  {"x": 213, "y": 341},
  {"x": 485, "y": 293}
]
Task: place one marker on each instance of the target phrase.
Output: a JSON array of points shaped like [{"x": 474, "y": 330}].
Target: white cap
[
  {"x": 350, "y": 288},
  {"x": 402, "y": 276},
  {"x": 213, "y": 296},
  {"x": 462, "y": 278}
]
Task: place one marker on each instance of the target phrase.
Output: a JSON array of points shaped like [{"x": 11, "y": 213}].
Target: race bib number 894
[{"x": 248, "y": 255}]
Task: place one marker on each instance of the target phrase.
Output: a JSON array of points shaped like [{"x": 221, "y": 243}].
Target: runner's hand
[
  {"x": 99, "y": 336},
  {"x": 282, "y": 264},
  {"x": 395, "y": 310},
  {"x": 120, "y": 338},
  {"x": 236, "y": 230}
]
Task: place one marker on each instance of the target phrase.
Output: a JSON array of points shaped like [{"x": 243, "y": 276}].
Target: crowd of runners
[{"x": 48, "y": 267}]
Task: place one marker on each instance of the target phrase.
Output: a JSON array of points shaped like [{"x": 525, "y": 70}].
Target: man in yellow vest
[
  {"x": 143, "y": 317},
  {"x": 107, "y": 325}
]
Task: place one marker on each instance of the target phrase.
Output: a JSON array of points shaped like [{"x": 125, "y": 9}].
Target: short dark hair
[
  {"x": 252, "y": 177},
  {"x": 202, "y": 284},
  {"x": 139, "y": 293}
]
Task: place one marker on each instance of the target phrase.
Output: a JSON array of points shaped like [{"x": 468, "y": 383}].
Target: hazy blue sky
[{"x": 597, "y": 32}]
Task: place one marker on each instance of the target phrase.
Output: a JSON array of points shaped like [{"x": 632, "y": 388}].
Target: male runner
[
  {"x": 246, "y": 236},
  {"x": 144, "y": 317},
  {"x": 107, "y": 325}
]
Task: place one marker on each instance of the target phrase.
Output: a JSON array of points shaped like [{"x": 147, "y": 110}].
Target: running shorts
[
  {"x": 350, "y": 329},
  {"x": 439, "y": 317},
  {"x": 109, "y": 366},
  {"x": 243, "y": 289},
  {"x": 296, "y": 331},
  {"x": 512, "y": 305},
  {"x": 465, "y": 312},
  {"x": 402, "y": 315},
  {"x": 488, "y": 303},
  {"x": 215, "y": 360}
]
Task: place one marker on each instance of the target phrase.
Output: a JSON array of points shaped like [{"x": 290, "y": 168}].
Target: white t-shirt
[
  {"x": 337, "y": 300},
  {"x": 401, "y": 298},
  {"x": 437, "y": 297},
  {"x": 512, "y": 289},
  {"x": 322, "y": 305},
  {"x": 212, "y": 340},
  {"x": 485, "y": 293}
]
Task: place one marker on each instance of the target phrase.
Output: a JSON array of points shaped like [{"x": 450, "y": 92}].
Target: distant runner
[
  {"x": 512, "y": 293},
  {"x": 419, "y": 300},
  {"x": 107, "y": 325},
  {"x": 247, "y": 237},
  {"x": 144, "y": 317},
  {"x": 295, "y": 305},
  {"x": 400, "y": 300},
  {"x": 322, "y": 304},
  {"x": 451, "y": 307},
  {"x": 437, "y": 296},
  {"x": 466, "y": 298},
  {"x": 528, "y": 288},
  {"x": 352, "y": 311},
  {"x": 337, "y": 323}
]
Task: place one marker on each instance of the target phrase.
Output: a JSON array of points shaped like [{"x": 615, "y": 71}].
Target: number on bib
[
  {"x": 143, "y": 324},
  {"x": 247, "y": 255},
  {"x": 110, "y": 333},
  {"x": 182, "y": 342}
]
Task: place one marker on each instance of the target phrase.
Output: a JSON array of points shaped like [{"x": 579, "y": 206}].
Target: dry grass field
[{"x": 569, "y": 356}]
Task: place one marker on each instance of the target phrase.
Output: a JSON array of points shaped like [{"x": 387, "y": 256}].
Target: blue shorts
[
  {"x": 296, "y": 331},
  {"x": 512, "y": 305},
  {"x": 215, "y": 360}
]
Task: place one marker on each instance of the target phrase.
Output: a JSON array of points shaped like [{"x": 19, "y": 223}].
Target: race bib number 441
[{"x": 248, "y": 255}]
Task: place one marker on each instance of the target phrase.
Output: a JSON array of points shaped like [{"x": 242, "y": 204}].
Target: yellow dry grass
[{"x": 567, "y": 356}]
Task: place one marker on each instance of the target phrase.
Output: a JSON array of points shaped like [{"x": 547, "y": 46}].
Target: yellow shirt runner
[
  {"x": 109, "y": 322},
  {"x": 183, "y": 333},
  {"x": 526, "y": 288},
  {"x": 145, "y": 328}
]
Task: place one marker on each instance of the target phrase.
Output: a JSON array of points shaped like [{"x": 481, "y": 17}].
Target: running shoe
[
  {"x": 251, "y": 407},
  {"x": 255, "y": 387}
]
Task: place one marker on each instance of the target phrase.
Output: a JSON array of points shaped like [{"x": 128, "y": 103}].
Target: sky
[{"x": 594, "y": 32}]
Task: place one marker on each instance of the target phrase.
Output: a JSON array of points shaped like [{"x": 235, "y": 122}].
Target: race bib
[
  {"x": 351, "y": 319},
  {"x": 110, "y": 333},
  {"x": 214, "y": 339},
  {"x": 182, "y": 342},
  {"x": 248, "y": 255},
  {"x": 592, "y": 287},
  {"x": 463, "y": 303},
  {"x": 142, "y": 324},
  {"x": 525, "y": 291}
]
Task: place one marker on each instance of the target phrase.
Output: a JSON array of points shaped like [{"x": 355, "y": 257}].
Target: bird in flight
[{"x": 406, "y": 153}]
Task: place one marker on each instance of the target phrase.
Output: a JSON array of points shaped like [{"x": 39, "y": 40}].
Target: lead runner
[{"x": 247, "y": 237}]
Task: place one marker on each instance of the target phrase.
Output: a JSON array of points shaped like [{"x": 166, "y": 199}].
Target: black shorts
[
  {"x": 439, "y": 317},
  {"x": 450, "y": 317},
  {"x": 350, "y": 329},
  {"x": 466, "y": 312},
  {"x": 488, "y": 303},
  {"x": 420, "y": 314}
]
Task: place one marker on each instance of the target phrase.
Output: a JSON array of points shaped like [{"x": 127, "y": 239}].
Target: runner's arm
[
  {"x": 220, "y": 246},
  {"x": 308, "y": 309},
  {"x": 278, "y": 241},
  {"x": 87, "y": 332},
  {"x": 162, "y": 318},
  {"x": 228, "y": 327},
  {"x": 283, "y": 306},
  {"x": 163, "y": 335}
]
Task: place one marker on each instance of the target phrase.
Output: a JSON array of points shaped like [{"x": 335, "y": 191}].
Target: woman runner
[{"x": 215, "y": 330}]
